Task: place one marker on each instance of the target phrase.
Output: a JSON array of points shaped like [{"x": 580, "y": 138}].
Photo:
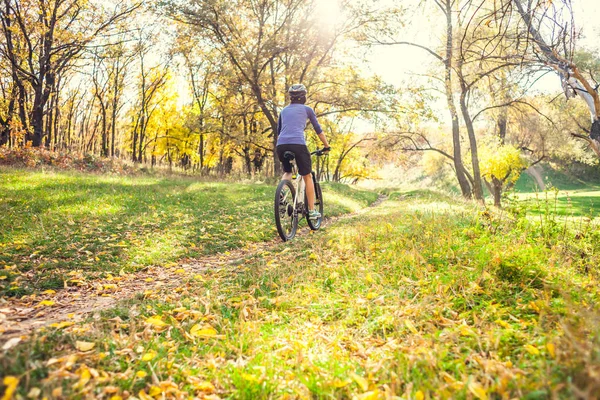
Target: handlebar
[{"x": 320, "y": 152}]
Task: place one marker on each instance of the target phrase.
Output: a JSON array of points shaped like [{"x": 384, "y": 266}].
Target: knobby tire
[{"x": 285, "y": 221}]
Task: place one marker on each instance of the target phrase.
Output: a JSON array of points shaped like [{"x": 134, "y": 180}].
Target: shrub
[{"x": 36, "y": 157}]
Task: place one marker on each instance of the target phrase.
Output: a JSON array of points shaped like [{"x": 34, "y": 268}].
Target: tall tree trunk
[
  {"x": 497, "y": 191},
  {"x": 49, "y": 124},
  {"x": 477, "y": 188},
  {"x": 134, "y": 145},
  {"x": 5, "y": 136},
  {"x": 465, "y": 187},
  {"x": 37, "y": 119},
  {"x": 104, "y": 147},
  {"x": 201, "y": 150}
]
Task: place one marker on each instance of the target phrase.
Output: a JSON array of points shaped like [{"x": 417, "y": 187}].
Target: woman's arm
[{"x": 315, "y": 123}]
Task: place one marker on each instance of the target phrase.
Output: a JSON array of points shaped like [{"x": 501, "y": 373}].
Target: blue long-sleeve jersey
[{"x": 292, "y": 123}]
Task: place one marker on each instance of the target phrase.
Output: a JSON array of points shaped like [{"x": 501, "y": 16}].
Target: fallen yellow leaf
[
  {"x": 141, "y": 374},
  {"x": 156, "y": 390},
  {"x": 46, "y": 303},
  {"x": 84, "y": 376},
  {"x": 60, "y": 325},
  {"x": 49, "y": 291},
  {"x": 478, "y": 391},
  {"x": 362, "y": 382},
  {"x": 466, "y": 331},
  {"x": 410, "y": 326},
  {"x": 551, "y": 349},
  {"x": 84, "y": 346},
  {"x": 156, "y": 321},
  {"x": 532, "y": 349},
  {"x": 202, "y": 331},
  {"x": 419, "y": 395},
  {"x": 205, "y": 387},
  {"x": 149, "y": 355},
  {"x": 338, "y": 383},
  {"x": 503, "y": 323},
  {"x": 372, "y": 395},
  {"x": 11, "y": 384}
]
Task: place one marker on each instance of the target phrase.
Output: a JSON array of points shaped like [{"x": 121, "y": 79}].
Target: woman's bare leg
[{"x": 310, "y": 191}]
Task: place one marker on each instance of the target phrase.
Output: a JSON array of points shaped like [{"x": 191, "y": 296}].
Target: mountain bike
[{"x": 291, "y": 203}]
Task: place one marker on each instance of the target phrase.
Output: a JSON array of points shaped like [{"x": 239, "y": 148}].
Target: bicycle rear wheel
[
  {"x": 286, "y": 219},
  {"x": 315, "y": 224}
]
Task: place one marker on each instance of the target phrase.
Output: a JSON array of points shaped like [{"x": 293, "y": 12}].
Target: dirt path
[{"x": 19, "y": 317}]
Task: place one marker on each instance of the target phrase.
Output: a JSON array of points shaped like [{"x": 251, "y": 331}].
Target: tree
[
  {"x": 151, "y": 80},
  {"x": 42, "y": 40},
  {"x": 502, "y": 165},
  {"x": 545, "y": 36},
  {"x": 447, "y": 58},
  {"x": 269, "y": 43}
]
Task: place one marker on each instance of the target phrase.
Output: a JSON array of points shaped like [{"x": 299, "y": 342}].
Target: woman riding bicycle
[{"x": 290, "y": 137}]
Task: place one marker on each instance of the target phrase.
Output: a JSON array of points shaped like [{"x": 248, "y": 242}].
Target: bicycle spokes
[{"x": 286, "y": 218}]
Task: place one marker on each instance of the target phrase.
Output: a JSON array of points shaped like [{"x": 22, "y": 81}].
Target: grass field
[
  {"x": 422, "y": 297},
  {"x": 61, "y": 228},
  {"x": 565, "y": 196}
]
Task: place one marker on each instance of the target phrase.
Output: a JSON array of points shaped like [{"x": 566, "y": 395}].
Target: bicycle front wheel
[
  {"x": 315, "y": 224},
  {"x": 286, "y": 219}
]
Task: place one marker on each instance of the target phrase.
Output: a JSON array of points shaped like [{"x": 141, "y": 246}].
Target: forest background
[{"x": 468, "y": 92}]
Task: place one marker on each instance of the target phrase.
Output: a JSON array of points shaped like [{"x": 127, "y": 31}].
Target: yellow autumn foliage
[{"x": 500, "y": 161}]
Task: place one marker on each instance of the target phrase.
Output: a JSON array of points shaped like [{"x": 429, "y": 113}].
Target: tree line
[
  {"x": 199, "y": 84},
  {"x": 488, "y": 58}
]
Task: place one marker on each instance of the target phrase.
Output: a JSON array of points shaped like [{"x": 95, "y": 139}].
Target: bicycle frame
[
  {"x": 300, "y": 189},
  {"x": 289, "y": 210}
]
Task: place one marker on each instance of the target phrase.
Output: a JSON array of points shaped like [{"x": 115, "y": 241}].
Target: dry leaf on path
[
  {"x": 10, "y": 343},
  {"x": 84, "y": 346}
]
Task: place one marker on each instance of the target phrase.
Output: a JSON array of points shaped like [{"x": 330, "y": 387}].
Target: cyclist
[{"x": 290, "y": 137}]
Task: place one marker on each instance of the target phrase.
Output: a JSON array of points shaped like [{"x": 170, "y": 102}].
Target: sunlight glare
[{"x": 329, "y": 12}]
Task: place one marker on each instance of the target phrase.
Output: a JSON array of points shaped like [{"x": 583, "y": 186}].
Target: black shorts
[{"x": 302, "y": 158}]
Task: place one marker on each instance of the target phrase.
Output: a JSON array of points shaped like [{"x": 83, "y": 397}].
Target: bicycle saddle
[{"x": 289, "y": 155}]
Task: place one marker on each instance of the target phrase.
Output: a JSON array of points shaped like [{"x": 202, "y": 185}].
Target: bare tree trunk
[
  {"x": 465, "y": 187},
  {"x": 477, "y": 189}
]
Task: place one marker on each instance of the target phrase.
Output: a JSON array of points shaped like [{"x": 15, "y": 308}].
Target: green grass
[
  {"x": 565, "y": 196},
  {"x": 580, "y": 203},
  {"x": 60, "y": 228},
  {"x": 422, "y": 297},
  {"x": 557, "y": 179}
]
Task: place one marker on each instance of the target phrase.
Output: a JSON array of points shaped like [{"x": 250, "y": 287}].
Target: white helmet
[{"x": 297, "y": 90}]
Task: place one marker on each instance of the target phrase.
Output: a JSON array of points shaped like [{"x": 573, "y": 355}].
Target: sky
[{"x": 587, "y": 14}]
